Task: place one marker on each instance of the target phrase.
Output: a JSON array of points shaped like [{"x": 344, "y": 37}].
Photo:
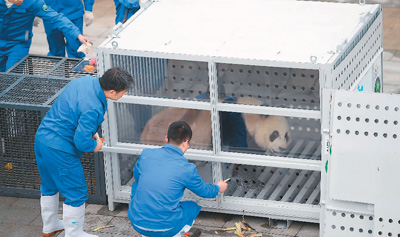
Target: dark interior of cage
[
  {"x": 267, "y": 86},
  {"x": 17, "y": 156}
]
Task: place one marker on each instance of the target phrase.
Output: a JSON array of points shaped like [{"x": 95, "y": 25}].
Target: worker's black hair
[
  {"x": 179, "y": 132},
  {"x": 117, "y": 79}
]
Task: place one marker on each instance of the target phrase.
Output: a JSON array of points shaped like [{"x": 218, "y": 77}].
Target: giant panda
[
  {"x": 199, "y": 120},
  {"x": 271, "y": 133}
]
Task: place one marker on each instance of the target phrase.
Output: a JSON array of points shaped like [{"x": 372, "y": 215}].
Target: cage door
[{"x": 364, "y": 160}]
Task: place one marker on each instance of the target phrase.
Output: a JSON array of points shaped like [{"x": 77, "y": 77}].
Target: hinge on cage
[
  {"x": 341, "y": 46},
  {"x": 116, "y": 30}
]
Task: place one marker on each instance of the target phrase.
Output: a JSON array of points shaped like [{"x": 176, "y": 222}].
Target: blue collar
[
  {"x": 174, "y": 148},
  {"x": 100, "y": 93}
]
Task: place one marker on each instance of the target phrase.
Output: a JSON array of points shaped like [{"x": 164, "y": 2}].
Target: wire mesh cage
[
  {"x": 24, "y": 101},
  {"x": 49, "y": 66}
]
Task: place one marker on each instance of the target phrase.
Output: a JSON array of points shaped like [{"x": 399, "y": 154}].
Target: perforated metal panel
[
  {"x": 363, "y": 166},
  {"x": 358, "y": 54}
]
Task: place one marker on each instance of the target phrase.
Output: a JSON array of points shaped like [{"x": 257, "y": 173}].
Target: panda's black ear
[{"x": 274, "y": 136}]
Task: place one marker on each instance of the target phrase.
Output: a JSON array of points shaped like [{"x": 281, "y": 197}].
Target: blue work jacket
[
  {"x": 16, "y": 22},
  {"x": 72, "y": 9},
  {"x": 162, "y": 175},
  {"x": 74, "y": 117},
  {"x": 125, "y": 9}
]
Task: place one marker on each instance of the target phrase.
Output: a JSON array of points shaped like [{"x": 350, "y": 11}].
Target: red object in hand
[
  {"x": 101, "y": 139},
  {"x": 93, "y": 62}
]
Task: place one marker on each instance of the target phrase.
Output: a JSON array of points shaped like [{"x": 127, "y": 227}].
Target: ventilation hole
[
  {"x": 361, "y": 230},
  {"x": 396, "y": 109},
  {"x": 342, "y": 228},
  {"x": 390, "y": 221},
  {"x": 367, "y": 106},
  {"x": 376, "y": 120},
  {"x": 389, "y": 234},
  {"x": 369, "y": 231},
  {"x": 386, "y": 107},
  {"x": 367, "y": 120},
  {"x": 339, "y": 117},
  {"x": 361, "y": 217},
  {"x": 352, "y": 215},
  {"x": 349, "y": 105},
  {"x": 333, "y": 227},
  {"x": 380, "y": 219},
  {"x": 347, "y": 132},
  {"x": 338, "y": 130},
  {"x": 380, "y": 233},
  {"x": 340, "y": 104},
  {"x": 395, "y": 122},
  {"x": 358, "y": 106},
  {"x": 358, "y": 119},
  {"x": 375, "y": 134},
  {"x": 394, "y": 136},
  {"x": 173, "y": 66},
  {"x": 351, "y": 229},
  {"x": 348, "y": 118},
  {"x": 371, "y": 218},
  {"x": 385, "y": 122},
  {"x": 343, "y": 214},
  {"x": 377, "y": 107},
  {"x": 385, "y": 135}
]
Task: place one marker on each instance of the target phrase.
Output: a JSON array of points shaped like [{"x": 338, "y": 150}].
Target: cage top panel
[{"x": 286, "y": 31}]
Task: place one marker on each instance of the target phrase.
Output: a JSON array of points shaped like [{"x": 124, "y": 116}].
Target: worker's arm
[
  {"x": 59, "y": 21},
  {"x": 88, "y": 5},
  {"x": 130, "y": 3},
  {"x": 197, "y": 185},
  {"x": 87, "y": 127},
  {"x": 88, "y": 17}
]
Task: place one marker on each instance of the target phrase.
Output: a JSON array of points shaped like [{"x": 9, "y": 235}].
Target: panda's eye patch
[
  {"x": 274, "y": 136},
  {"x": 286, "y": 137}
]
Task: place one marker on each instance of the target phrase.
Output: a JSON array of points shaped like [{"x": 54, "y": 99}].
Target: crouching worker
[
  {"x": 162, "y": 175},
  {"x": 63, "y": 135}
]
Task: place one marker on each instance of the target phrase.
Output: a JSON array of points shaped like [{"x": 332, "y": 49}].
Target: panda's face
[{"x": 273, "y": 133}]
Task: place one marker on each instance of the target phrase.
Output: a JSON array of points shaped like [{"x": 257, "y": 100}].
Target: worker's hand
[
  {"x": 88, "y": 18},
  {"x": 222, "y": 186},
  {"x": 99, "y": 146},
  {"x": 84, "y": 40},
  {"x": 36, "y": 22}
]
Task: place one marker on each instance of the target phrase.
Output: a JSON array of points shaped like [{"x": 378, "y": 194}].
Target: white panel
[
  {"x": 365, "y": 131},
  {"x": 253, "y": 30}
]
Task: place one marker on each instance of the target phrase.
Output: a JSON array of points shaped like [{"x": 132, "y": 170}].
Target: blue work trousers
[
  {"x": 190, "y": 211},
  {"x": 12, "y": 52},
  {"x": 58, "y": 43},
  {"x": 61, "y": 172}
]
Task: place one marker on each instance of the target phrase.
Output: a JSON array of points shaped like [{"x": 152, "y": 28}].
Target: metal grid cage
[
  {"x": 48, "y": 66},
  {"x": 24, "y": 101}
]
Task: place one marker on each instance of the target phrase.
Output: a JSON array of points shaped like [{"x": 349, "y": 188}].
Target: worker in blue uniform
[
  {"x": 162, "y": 175},
  {"x": 63, "y": 135},
  {"x": 125, "y": 9},
  {"x": 16, "y": 22},
  {"x": 76, "y": 12}
]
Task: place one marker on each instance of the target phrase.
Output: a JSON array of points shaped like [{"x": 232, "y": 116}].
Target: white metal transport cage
[{"x": 270, "y": 89}]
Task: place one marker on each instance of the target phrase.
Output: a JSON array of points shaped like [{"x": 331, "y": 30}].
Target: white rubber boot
[
  {"x": 49, "y": 207},
  {"x": 74, "y": 218}
]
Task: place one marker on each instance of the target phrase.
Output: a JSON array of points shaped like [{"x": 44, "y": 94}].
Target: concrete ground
[{"x": 20, "y": 217}]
